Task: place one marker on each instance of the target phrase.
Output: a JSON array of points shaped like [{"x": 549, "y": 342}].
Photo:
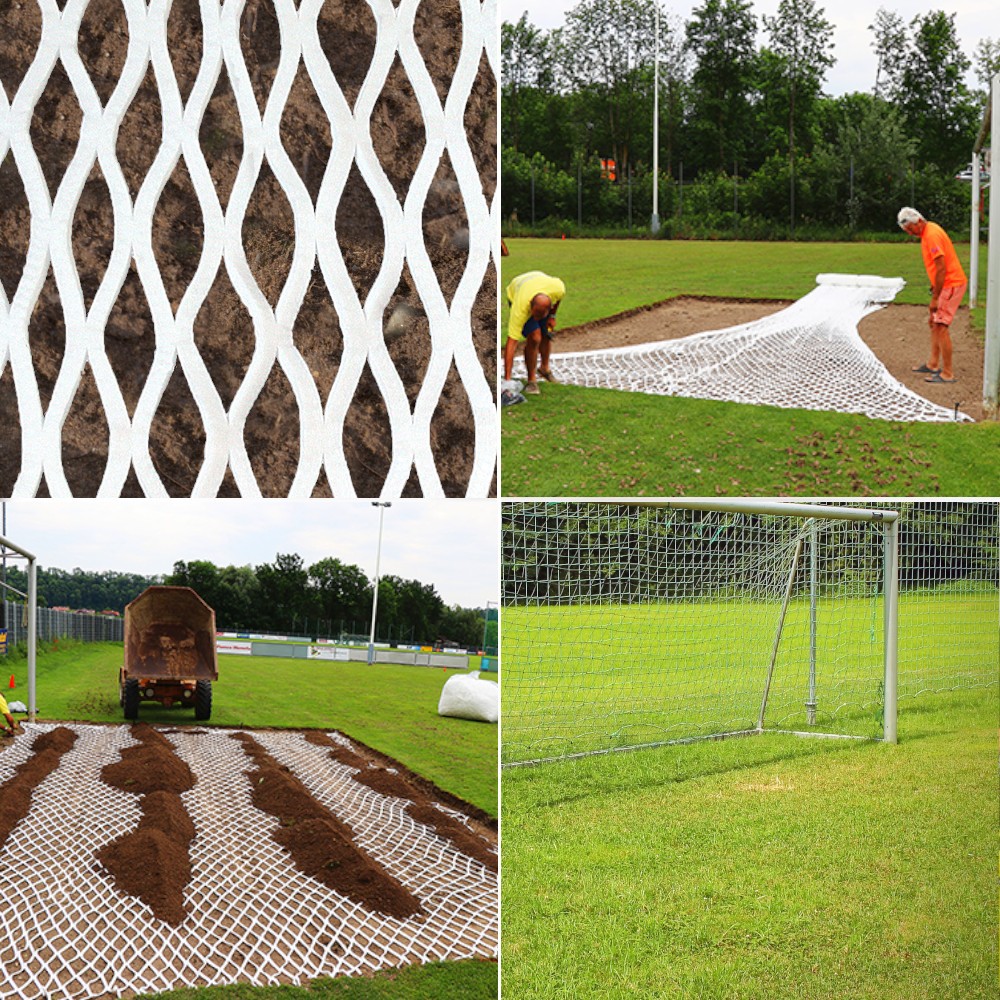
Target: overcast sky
[
  {"x": 452, "y": 544},
  {"x": 855, "y": 66}
]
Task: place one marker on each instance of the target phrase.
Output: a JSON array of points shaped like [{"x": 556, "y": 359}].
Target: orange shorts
[{"x": 948, "y": 303}]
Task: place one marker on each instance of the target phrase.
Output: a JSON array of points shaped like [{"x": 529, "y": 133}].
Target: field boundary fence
[{"x": 54, "y": 624}]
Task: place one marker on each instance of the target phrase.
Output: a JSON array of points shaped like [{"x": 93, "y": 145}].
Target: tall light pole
[
  {"x": 378, "y": 559},
  {"x": 654, "y": 222}
]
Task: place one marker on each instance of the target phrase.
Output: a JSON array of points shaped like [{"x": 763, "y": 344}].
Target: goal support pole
[
  {"x": 32, "y": 626},
  {"x": 991, "y": 362},
  {"x": 891, "y": 573}
]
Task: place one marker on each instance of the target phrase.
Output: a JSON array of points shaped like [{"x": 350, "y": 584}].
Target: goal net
[
  {"x": 636, "y": 624},
  {"x": 808, "y": 356}
]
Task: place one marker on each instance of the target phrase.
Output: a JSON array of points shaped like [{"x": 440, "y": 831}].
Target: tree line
[
  {"x": 747, "y": 135},
  {"x": 329, "y": 599}
]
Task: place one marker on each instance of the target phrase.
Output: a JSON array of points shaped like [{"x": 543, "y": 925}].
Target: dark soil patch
[
  {"x": 15, "y": 793},
  {"x": 223, "y": 328},
  {"x": 321, "y": 845},
  {"x": 153, "y": 862},
  {"x": 387, "y": 782}
]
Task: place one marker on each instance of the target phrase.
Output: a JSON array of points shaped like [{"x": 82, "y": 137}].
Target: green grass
[
  {"x": 760, "y": 868},
  {"x": 438, "y": 981},
  {"x": 573, "y": 441},
  {"x": 391, "y": 708}
]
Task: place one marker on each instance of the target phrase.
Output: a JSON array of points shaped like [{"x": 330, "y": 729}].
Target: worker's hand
[{"x": 551, "y": 323}]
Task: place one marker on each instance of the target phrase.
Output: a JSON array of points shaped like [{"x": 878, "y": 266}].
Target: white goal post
[
  {"x": 31, "y": 598},
  {"x": 632, "y": 623}
]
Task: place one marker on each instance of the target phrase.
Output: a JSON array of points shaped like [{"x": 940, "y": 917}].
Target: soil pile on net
[
  {"x": 321, "y": 845},
  {"x": 421, "y": 807},
  {"x": 223, "y": 328},
  {"x": 153, "y": 862},
  {"x": 15, "y": 793}
]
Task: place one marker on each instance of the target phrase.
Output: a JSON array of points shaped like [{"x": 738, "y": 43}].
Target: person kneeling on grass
[
  {"x": 5, "y": 712},
  {"x": 534, "y": 298},
  {"x": 948, "y": 284}
]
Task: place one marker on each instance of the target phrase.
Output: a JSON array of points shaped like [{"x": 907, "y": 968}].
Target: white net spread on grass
[
  {"x": 254, "y": 917},
  {"x": 314, "y": 246},
  {"x": 808, "y": 356}
]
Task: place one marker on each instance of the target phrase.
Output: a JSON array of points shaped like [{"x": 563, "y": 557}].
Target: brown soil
[
  {"x": 15, "y": 793},
  {"x": 153, "y": 862},
  {"x": 896, "y": 334},
  {"x": 223, "y": 330},
  {"x": 321, "y": 845},
  {"x": 420, "y": 808}
]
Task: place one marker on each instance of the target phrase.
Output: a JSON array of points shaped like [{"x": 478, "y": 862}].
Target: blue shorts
[{"x": 536, "y": 324}]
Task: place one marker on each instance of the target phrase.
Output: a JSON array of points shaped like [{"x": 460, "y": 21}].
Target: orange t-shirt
[{"x": 934, "y": 243}]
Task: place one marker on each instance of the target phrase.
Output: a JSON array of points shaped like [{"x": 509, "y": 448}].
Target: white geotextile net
[
  {"x": 321, "y": 426},
  {"x": 808, "y": 356},
  {"x": 65, "y": 931}
]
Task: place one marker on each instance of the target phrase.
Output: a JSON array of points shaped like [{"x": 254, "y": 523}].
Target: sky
[
  {"x": 453, "y": 544},
  {"x": 856, "y": 63}
]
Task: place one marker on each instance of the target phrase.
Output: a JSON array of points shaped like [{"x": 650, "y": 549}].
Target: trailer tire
[
  {"x": 203, "y": 701},
  {"x": 130, "y": 699}
]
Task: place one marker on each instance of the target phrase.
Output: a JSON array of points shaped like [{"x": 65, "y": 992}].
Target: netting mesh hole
[
  {"x": 481, "y": 122},
  {"x": 305, "y": 132},
  {"x": 130, "y": 339},
  {"x": 437, "y": 29},
  {"x": 23, "y": 22},
  {"x": 367, "y": 437},
  {"x": 221, "y": 138},
  {"x": 453, "y": 434},
  {"x": 185, "y": 42},
  {"x": 318, "y": 336},
  {"x": 93, "y": 234},
  {"x": 10, "y": 440},
  {"x": 407, "y": 335},
  {"x": 269, "y": 235},
  {"x": 15, "y": 220},
  {"x": 397, "y": 130},
  {"x": 138, "y": 136},
  {"x": 47, "y": 338},
  {"x": 224, "y": 336},
  {"x": 347, "y": 36},
  {"x": 260, "y": 41},
  {"x": 85, "y": 438},
  {"x": 55, "y": 127},
  {"x": 178, "y": 234},
  {"x": 177, "y": 437},
  {"x": 446, "y": 228},
  {"x": 102, "y": 44},
  {"x": 272, "y": 435}
]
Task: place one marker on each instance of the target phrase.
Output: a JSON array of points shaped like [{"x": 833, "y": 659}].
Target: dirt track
[{"x": 897, "y": 334}]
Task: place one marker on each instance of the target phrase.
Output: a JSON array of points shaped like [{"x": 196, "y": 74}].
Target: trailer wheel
[
  {"x": 130, "y": 699},
  {"x": 203, "y": 700}
]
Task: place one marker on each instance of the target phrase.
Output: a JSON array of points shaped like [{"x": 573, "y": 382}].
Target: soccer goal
[
  {"x": 11, "y": 550},
  {"x": 636, "y": 624}
]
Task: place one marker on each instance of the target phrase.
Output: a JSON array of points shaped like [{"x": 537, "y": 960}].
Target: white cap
[{"x": 908, "y": 216}]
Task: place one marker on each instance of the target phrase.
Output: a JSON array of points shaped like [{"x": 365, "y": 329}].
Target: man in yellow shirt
[
  {"x": 948, "y": 284},
  {"x": 534, "y": 298},
  {"x": 5, "y": 712}
]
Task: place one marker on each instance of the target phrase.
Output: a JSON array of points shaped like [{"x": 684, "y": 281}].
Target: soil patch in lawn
[
  {"x": 15, "y": 793},
  {"x": 320, "y": 844},
  {"x": 223, "y": 329},
  {"x": 420, "y": 807},
  {"x": 898, "y": 336},
  {"x": 153, "y": 862}
]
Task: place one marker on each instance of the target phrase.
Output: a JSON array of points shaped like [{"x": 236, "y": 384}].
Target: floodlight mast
[
  {"x": 654, "y": 222},
  {"x": 378, "y": 559},
  {"x": 991, "y": 361}
]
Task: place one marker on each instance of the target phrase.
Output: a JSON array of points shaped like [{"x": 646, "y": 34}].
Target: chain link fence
[{"x": 53, "y": 624}]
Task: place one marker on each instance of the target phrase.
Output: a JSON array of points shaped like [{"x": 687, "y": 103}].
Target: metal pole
[
  {"x": 378, "y": 560},
  {"x": 777, "y": 634},
  {"x": 32, "y": 634},
  {"x": 532, "y": 194},
  {"x": 891, "y": 561},
  {"x": 813, "y": 579},
  {"x": 991, "y": 366},
  {"x": 579, "y": 192},
  {"x": 654, "y": 222},
  {"x": 974, "y": 234}
]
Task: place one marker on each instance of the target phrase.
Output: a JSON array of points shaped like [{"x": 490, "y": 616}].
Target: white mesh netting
[
  {"x": 254, "y": 917},
  {"x": 807, "y": 356},
  {"x": 447, "y": 352}
]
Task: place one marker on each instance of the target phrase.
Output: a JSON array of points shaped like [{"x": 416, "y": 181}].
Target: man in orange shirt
[{"x": 948, "y": 284}]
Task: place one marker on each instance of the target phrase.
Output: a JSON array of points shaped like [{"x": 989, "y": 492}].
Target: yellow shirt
[
  {"x": 4, "y": 710},
  {"x": 522, "y": 290}
]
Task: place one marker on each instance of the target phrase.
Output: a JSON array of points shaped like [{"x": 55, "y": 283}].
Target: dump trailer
[{"x": 169, "y": 652}]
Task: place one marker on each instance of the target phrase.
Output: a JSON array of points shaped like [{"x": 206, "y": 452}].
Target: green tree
[
  {"x": 890, "y": 48},
  {"x": 525, "y": 70}
]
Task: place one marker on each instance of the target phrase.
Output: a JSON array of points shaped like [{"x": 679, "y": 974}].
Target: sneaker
[
  {"x": 531, "y": 389},
  {"x": 548, "y": 376}
]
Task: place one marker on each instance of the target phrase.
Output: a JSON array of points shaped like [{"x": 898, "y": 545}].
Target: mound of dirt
[
  {"x": 897, "y": 335},
  {"x": 320, "y": 844},
  {"x": 223, "y": 328}
]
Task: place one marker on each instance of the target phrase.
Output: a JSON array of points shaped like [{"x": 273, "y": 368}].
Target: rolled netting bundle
[
  {"x": 247, "y": 248},
  {"x": 808, "y": 356}
]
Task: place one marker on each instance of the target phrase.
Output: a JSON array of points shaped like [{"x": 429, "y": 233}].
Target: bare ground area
[{"x": 896, "y": 334}]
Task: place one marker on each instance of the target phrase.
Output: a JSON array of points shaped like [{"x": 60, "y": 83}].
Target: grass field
[
  {"x": 769, "y": 867},
  {"x": 391, "y": 708},
  {"x": 572, "y": 441}
]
